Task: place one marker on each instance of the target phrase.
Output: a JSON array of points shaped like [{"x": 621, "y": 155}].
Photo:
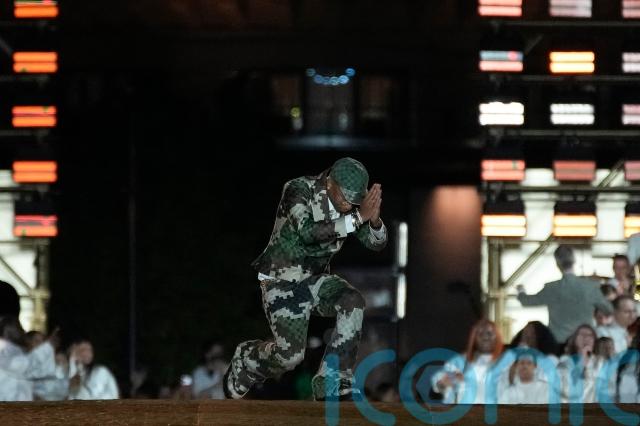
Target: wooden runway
[{"x": 295, "y": 413}]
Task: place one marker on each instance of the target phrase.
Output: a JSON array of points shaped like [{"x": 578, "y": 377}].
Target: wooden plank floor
[{"x": 163, "y": 412}]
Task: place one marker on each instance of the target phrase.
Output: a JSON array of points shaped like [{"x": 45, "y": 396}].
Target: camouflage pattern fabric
[
  {"x": 288, "y": 307},
  {"x": 306, "y": 234}
]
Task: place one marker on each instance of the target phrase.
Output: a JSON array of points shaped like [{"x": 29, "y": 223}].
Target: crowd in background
[{"x": 588, "y": 353}]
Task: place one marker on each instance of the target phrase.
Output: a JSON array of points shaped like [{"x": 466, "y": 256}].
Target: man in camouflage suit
[{"x": 314, "y": 218}]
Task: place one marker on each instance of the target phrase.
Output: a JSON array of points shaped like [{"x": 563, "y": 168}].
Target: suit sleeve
[
  {"x": 296, "y": 205},
  {"x": 540, "y": 298}
]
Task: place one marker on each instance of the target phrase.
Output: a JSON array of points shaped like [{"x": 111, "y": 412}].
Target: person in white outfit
[
  {"x": 483, "y": 349},
  {"x": 53, "y": 388},
  {"x": 624, "y": 314},
  {"x": 528, "y": 387},
  {"x": 89, "y": 381},
  {"x": 19, "y": 369},
  {"x": 580, "y": 369},
  {"x": 207, "y": 378}
]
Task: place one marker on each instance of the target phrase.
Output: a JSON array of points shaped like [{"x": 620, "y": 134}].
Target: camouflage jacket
[{"x": 307, "y": 232}]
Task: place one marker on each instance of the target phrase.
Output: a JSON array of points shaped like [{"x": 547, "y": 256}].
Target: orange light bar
[
  {"x": 503, "y": 170},
  {"x": 35, "y": 9},
  {"x": 575, "y": 225},
  {"x": 631, "y": 225},
  {"x": 504, "y": 225},
  {"x": 572, "y": 62},
  {"x": 511, "y": 8},
  {"x": 35, "y": 62},
  {"x": 35, "y": 226},
  {"x": 580, "y": 171},
  {"x": 35, "y": 171},
  {"x": 632, "y": 170},
  {"x": 34, "y": 116}
]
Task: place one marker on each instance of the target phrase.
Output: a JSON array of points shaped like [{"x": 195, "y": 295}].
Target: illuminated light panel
[
  {"x": 35, "y": 171},
  {"x": 503, "y": 170},
  {"x": 40, "y": 9},
  {"x": 631, "y": 114},
  {"x": 501, "y": 61},
  {"x": 35, "y": 62},
  {"x": 511, "y": 8},
  {"x": 631, "y": 62},
  {"x": 35, "y": 226},
  {"x": 572, "y": 62},
  {"x": 572, "y": 114},
  {"x": 501, "y": 114},
  {"x": 630, "y": 9},
  {"x": 573, "y": 170},
  {"x": 34, "y": 116},
  {"x": 631, "y": 224},
  {"x": 570, "y": 8},
  {"x": 575, "y": 225},
  {"x": 632, "y": 170},
  {"x": 504, "y": 225}
]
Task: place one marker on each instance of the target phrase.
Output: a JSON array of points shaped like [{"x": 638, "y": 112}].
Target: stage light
[
  {"x": 504, "y": 219},
  {"x": 631, "y": 62},
  {"x": 34, "y": 116},
  {"x": 631, "y": 219},
  {"x": 575, "y": 219},
  {"x": 35, "y": 226},
  {"x": 35, "y": 9},
  {"x": 401, "y": 295},
  {"x": 503, "y": 170},
  {"x": 35, "y": 62},
  {"x": 632, "y": 170},
  {"x": 35, "y": 171},
  {"x": 570, "y": 8},
  {"x": 631, "y": 114},
  {"x": 572, "y": 62},
  {"x": 501, "y": 114},
  {"x": 509, "y": 8},
  {"x": 572, "y": 114},
  {"x": 574, "y": 170},
  {"x": 630, "y": 9},
  {"x": 501, "y": 61}
]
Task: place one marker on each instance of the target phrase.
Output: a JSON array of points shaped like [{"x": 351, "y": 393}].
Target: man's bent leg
[
  {"x": 288, "y": 308},
  {"x": 335, "y": 297}
]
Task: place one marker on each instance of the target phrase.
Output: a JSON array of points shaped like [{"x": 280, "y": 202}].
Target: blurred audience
[
  {"x": 527, "y": 386},
  {"x": 483, "y": 349},
  {"x": 207, "y": 377},
  {"x": 622, "y": 281},
  {"x": 89, "y": 380},
  {"x": 19, "y": 368},
  {"x": 624, "y": 314}
]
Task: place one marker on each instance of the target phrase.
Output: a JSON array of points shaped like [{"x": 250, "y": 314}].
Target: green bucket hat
[{"x": 352, "y": 178}]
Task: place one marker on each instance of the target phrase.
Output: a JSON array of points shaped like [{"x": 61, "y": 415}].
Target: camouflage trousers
[{"x": 288, "y": 307}]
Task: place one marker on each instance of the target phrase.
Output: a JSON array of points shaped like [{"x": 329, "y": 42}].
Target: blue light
[
  {"x": 343, "y": 79},
  {"x": 334, "y": 81},
  {"x": 318, "y": 79},
  {"x": 350, "y": 72},
  {"x": 311, "y": 72}
]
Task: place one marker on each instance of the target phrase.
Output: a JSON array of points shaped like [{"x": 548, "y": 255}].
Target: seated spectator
[
  {"x": 527, "y": 387},
  {"x": 55, "y": 387},
  {"x": 622, "y": 280},
  {"x": 570, "y": 301},
  {"x": 536, "y": 335},
  {"x": 484, "y": 347},
  {"x": 579, "y": 368},
  {"x": 628, "y": 376},
  {"x": 89, "y": 381},
  {"x": 605, "y": 348},
  {"x": 624, "y": 314},
  {"x": 207, "y": 377},
  {"x": 18, "y": 369}
]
